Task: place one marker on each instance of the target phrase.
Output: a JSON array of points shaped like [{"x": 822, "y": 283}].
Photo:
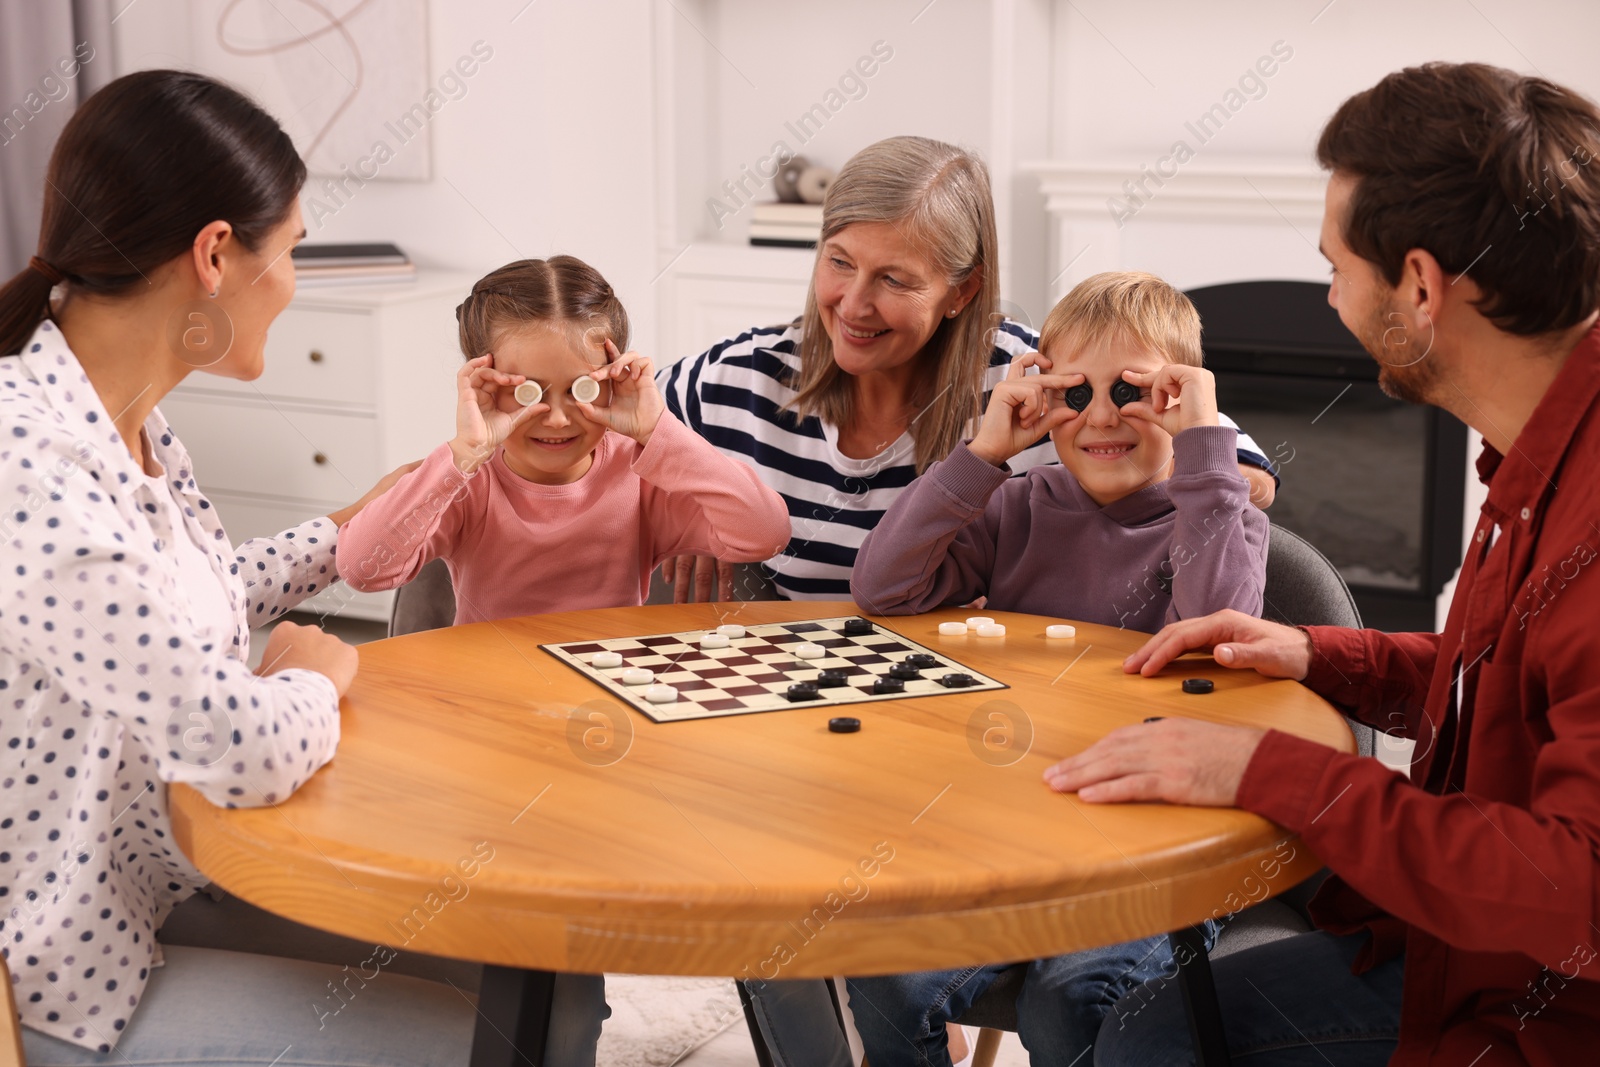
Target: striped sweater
[{"x": 735, "y": 396}]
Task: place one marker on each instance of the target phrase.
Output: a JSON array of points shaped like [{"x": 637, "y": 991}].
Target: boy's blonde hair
[{"x": 1129, "y": 304}]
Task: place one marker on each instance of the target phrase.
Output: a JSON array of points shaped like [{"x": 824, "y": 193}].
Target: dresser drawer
[
  {"x": 253, "y": 446},
  {"x": 326, "y": 356}
]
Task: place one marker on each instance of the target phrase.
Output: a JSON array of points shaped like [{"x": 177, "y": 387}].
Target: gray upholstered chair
[
  {"x": 427, "y": 602},
  {"x": 10, "y": 1027},
  {"x": 1303, "y": 589}
]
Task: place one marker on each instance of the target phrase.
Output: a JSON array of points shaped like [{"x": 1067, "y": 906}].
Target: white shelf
[
  {"x": 716, "y": 259},
  {"x": 428, "y": 282}
]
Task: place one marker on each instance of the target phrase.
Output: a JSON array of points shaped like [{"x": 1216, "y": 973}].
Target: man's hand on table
[
  {"x": 1185, "y": 761},
  {"x": 1180, "y": 761}
]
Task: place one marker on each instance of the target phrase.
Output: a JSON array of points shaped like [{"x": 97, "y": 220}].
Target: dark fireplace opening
[{"x": 1375, "y": 483}]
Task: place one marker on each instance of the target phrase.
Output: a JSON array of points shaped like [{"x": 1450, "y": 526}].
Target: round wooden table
[{"x": 490, "y": 803}]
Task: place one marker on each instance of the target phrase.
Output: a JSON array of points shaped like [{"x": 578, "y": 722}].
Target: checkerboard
[{"x": 755, "y": 671}]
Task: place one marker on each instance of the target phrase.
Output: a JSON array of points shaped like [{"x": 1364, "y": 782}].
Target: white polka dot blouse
[{"x": 111, "y": 686}]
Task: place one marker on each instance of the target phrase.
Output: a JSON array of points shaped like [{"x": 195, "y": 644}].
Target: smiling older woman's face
[{"x": 879, "y": 298}]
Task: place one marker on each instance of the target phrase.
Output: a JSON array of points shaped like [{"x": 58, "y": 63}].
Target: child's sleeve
[
  {"x": 698, "y": 501},
  {"x": 1219, "y": 539},
  {"x": 936, "y": 543},
  {"x": 421, "y": 517}
]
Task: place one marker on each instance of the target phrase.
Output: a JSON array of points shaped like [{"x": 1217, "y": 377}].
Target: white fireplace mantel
[{"x": 1197, "y": 223}]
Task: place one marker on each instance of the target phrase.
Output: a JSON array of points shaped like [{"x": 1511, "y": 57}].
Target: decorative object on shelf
[
  {"x": 351, "y": 264},
  {"x": 813, "y": 184},
  {"x": 786, "y": 183},
  {"x": 786, "y": 225}
]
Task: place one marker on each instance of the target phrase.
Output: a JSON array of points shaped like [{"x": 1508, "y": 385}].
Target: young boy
[{"x": 1146, "y": 520}]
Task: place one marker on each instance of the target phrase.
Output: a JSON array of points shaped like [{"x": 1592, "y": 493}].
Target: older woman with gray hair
[{"x": 888, "y": 369}]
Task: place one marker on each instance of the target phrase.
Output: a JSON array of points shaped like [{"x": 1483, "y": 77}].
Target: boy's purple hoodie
[{"x": 1185, "y": 547}]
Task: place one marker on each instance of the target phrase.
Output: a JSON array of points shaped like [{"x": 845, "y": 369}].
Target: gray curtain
[{"x": 52, "y": 56}]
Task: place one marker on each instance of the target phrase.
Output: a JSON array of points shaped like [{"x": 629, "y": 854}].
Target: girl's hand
[
  {"x": 636, "y": 403},
  {"x": 1022, "y": 409},
  {"x": 480, "y": 424},
  {"x": 1180, "y": 397}
]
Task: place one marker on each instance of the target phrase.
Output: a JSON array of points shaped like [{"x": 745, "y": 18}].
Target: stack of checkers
[{"x": 738, "y": 670}]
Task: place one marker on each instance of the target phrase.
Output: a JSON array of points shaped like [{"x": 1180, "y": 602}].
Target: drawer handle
[
  {"x": 316, "y": 356},
  {"x": 319, "y": 459}
]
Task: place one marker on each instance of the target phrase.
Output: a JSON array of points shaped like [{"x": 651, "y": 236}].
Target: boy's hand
[
  {"x": 480, "y": 424},
  {"x": 1180, "y": 397},
  {"x": 1023, "y": 409},
  {"x": 636, "y": 403}
]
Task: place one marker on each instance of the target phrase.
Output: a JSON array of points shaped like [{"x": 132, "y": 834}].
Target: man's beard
[{"x": 1407, "y": 368}]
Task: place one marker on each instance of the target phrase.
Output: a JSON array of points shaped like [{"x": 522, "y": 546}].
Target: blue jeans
[
  {"x": 1288, "y": 1003},
  {"x": 1063, "y": 1001},
  {"x": 797, "y": 1023}
]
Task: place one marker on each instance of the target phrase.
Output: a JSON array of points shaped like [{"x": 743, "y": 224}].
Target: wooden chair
[
  {"x": 1303, "y": 589},
  {"x": 10, "y": 1026}
]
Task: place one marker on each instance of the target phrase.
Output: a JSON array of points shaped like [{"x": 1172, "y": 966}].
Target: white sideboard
[
  {"x": 716, "y": 290},
  {"x": 358, "y": 380}
]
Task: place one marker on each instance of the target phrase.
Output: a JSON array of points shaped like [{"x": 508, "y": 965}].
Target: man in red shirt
[{"x": 1461, "y": 924}]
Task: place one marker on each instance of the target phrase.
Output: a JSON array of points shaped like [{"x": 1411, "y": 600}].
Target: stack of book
[
  {"x": 357, "y": 264},
  {"x": 786, "y": 225}
]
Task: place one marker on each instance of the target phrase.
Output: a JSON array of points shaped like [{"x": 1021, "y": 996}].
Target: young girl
[{"x": 546, "y": 502}]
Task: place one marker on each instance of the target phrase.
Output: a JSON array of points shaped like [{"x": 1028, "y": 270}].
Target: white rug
[{"x": 656, "y": 1022}]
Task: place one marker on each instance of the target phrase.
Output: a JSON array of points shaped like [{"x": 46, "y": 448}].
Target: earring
[
  {"x": 952, "y": 313},
  {"x": 215, "y": 291}
]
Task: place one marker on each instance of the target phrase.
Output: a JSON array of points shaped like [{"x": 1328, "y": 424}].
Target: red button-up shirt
[{"x": 1484, "y": 866}]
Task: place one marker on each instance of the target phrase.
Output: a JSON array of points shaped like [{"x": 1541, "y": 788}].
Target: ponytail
[
  {"x": 24, "y": 303},
  {"x": 152, "y": 159}
]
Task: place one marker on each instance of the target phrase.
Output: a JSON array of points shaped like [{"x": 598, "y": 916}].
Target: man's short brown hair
[
  {"x": 1126, "y": 304},
  {"x": 1491, "y": 172}
]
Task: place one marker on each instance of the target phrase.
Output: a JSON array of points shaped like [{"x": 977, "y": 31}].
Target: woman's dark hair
[
  {"x": 559, "y": 291},
  {"x": 1492, "y": 172},
  {"x": 141, "y": 168}
]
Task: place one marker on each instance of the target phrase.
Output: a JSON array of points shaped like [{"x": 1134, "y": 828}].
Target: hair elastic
[{"x": 53, "y": 276}]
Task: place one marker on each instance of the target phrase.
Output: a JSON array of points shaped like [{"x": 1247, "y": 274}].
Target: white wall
[
  {"x": 548, "y": 151},
  {"x": 584, "y": 134},
  {"x": 1190, "y": 54}
]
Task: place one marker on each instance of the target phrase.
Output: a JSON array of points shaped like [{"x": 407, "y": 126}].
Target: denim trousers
[
  {"x": 1064, "y": 999},
  {"x": 1287, "y": 1003}
]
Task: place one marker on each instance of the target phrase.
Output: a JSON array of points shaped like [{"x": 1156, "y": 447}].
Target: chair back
[
  {"x": 426, "y": 602},
  {"x": 1305, "y": 589},
  {"x": 10, "y": 1027}
]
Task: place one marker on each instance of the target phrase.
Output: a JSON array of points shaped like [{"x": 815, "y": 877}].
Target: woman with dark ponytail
[{"x": 170, "y": 207}]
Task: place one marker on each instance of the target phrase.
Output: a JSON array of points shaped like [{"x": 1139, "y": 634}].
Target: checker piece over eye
[
  {"x": 528, "y": 394},
  {"x": 585, "y": 389},
  {"x": 1122, "y": 394}
]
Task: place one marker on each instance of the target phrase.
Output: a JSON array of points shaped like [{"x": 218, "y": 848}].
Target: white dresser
[{"x": 358, "y": 380}]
